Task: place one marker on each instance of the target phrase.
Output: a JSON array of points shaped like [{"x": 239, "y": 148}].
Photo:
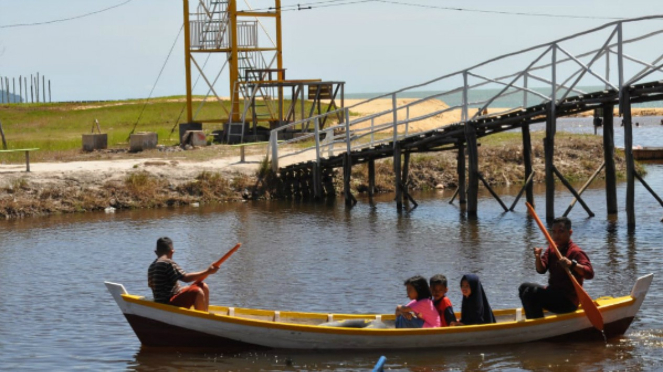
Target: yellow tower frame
[{"x": 233, "y": 49}]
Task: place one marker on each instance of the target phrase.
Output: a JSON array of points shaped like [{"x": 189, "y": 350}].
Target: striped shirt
[{"x": 162, "y": 277}]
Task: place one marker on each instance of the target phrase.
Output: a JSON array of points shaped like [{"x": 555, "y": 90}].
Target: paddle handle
[
  {"x": 591, "y": 310},
  {"x": 221, "y": 260}
]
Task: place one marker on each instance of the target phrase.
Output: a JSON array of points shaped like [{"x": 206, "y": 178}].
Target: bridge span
[{"x": 614, "y": 65}]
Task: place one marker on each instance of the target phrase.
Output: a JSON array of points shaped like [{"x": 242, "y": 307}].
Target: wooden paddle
[
  {"x": 588, "y": 305},
  {"x": 221, "y": 260}
]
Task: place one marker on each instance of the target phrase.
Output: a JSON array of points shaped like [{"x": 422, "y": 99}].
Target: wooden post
[
  {"x": 20, "y": 87},
  {"x": 50, "y": 98},
  {"x": 317, "y": 180},
  {"x": 527, "y": 160},
  {"x": 406, "y": 169},
  {"x": 27, "y": 161},
  {"x": 609, "y": 159},
  {"x": 397, "y": 176},
  {"x": 4, "y": 142},
  {"x": 371, "y": 177},
  {"x": 628, "y": 152},
  {"x": 347, "y": 172},
  {"x": 473, "y": 172},
  {"x": 461, "y": 174},
  {"x": 549, "y": 149}
]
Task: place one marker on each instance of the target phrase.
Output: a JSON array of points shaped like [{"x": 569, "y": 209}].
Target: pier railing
[{"x": 610, "y": 57}]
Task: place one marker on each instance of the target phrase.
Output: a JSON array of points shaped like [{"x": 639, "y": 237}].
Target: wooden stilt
[
  {"x": 583, "y": 188},
  {"x": 318, "y": 192},
  {"x": 628, "y": 152},
  {"x": 461, "y": 174},
  {"x": 573, "y": 191},
  {"x": 549, "y": 149},
  {"x": 492, "y": 192},
  {"x": 520, "y": 193},
  {"x": 609, "y": 159},
  {"x": 473, "y": 172},
  {"x": 397, "y": 177},
  {"x": 347, "y": 172},
  {"x": 371, "y": 177},
  {"x": 527, "y": 161},
  {"x": 406, "y": 170}
]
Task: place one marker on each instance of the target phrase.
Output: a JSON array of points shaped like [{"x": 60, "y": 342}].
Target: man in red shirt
[{"x": 560, "y": 295}]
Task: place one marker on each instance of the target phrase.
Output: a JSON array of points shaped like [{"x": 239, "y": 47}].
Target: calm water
[{"x": 57, "y": 314}]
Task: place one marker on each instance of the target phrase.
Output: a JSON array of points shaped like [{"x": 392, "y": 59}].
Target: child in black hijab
[{"x": 475, "y": 308}]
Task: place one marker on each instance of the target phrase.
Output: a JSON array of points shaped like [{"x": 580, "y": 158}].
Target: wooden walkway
[{"x": 314, "y": 178}]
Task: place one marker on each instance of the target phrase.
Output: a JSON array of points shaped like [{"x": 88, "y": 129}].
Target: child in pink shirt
[{"x": 420, "y": 312}]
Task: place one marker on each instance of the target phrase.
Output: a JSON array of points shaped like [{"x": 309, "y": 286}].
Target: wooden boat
[
  {"x": 648, "y": 153},
  {"x": 237, "y": 329}
]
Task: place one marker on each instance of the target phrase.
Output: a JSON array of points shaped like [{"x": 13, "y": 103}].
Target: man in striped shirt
[{"x": 164, "y": 274}]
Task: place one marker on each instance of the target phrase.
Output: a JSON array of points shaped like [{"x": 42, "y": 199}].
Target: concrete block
[
  {"x": 184, "y": 127},
  {"x": 93, "y": 142},
  {"x": 142, "y": 141},
  {"x": 195, "y": 138}
]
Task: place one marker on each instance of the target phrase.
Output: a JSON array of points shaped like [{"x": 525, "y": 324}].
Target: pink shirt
[{"x": 426, "y": 310}]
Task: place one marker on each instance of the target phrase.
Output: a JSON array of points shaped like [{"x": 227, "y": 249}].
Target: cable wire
[
  {"x": 155, "y": 83},
  {"x": 65, "y": 19},
  {"x": 495, "y": 11}
]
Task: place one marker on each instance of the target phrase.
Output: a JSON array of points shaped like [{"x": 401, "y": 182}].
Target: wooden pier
[{"x": 344, "y": 146}]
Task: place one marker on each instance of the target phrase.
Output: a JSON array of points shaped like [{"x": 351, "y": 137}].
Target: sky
[{"x": 373, "y": 46}]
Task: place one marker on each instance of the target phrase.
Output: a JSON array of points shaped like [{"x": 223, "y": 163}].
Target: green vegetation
[{"x": 56, "y": 128}]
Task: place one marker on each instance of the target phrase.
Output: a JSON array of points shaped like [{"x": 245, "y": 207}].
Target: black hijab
[{"x": 475, "y": 309}]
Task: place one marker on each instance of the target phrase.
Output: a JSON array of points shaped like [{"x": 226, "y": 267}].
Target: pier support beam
[
  {"x": 609, "y": 159},
  {"x": 527, "y": 161},
  {"x": 347, "y": 173},
  {"x": 549, "y": 150},
  {"x": 473, "y": 174},
  {"x": 371, "y": 177},
  {"x": 461, "y": 174},
  {"x": 397, "y": 177},
  {"x": 628, "y": 152}
]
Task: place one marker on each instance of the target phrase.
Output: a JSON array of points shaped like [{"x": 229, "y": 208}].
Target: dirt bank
[{"x": 154, "y": 183}]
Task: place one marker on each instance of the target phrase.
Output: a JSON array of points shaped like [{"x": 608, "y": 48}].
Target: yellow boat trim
[{"x": 605, "y": 304}]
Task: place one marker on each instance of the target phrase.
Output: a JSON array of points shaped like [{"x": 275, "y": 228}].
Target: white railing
[{"x": 555, "y": 69}]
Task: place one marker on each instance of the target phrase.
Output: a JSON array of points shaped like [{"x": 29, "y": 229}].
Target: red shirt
[
  {"x": 559, "y": 279},
  {"x": 441, "y": 307}
]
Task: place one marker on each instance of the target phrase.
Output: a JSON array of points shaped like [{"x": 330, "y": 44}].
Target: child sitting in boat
[
  {"x": 164, "y": 274},
  {"x": 475, "y": 308},
  {"x": 442, "y": 303},
  {"x": 420, "y": 311}
]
